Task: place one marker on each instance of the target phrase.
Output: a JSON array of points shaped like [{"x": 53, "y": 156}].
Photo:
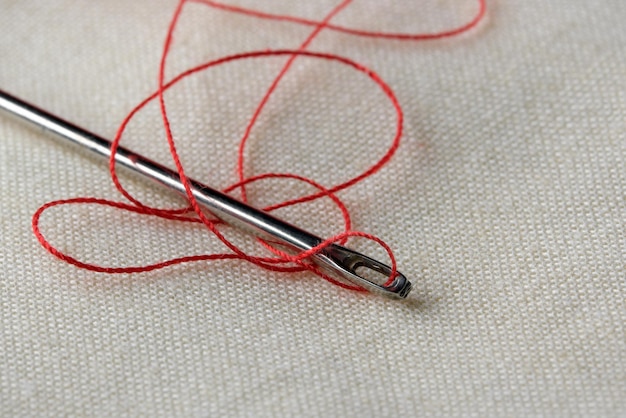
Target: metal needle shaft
[{"x": 336, "y": 259}]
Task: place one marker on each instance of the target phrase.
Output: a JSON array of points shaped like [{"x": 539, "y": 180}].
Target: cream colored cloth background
[{"x": 505, "y": 205}]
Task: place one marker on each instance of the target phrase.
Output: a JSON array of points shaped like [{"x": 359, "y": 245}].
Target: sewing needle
[{"x": 351, "y": 265}]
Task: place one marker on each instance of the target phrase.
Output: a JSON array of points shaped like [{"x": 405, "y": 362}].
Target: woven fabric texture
[{"x": 505, "y": 205}]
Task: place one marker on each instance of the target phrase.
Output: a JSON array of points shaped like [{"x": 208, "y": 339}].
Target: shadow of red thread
[{"x": 280, "y": 261}]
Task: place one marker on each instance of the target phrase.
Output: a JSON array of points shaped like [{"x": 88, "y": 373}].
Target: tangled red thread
[{"x": 280, "y": 260}]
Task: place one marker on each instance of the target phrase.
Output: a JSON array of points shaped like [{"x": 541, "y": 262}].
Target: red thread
[{"x": 280, "y": 261}]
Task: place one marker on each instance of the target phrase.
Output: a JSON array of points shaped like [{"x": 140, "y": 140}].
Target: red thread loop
[{"x": 279, "y": 261}]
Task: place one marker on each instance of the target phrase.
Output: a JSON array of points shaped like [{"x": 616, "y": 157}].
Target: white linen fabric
[{"x": 505, "y": 204}]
